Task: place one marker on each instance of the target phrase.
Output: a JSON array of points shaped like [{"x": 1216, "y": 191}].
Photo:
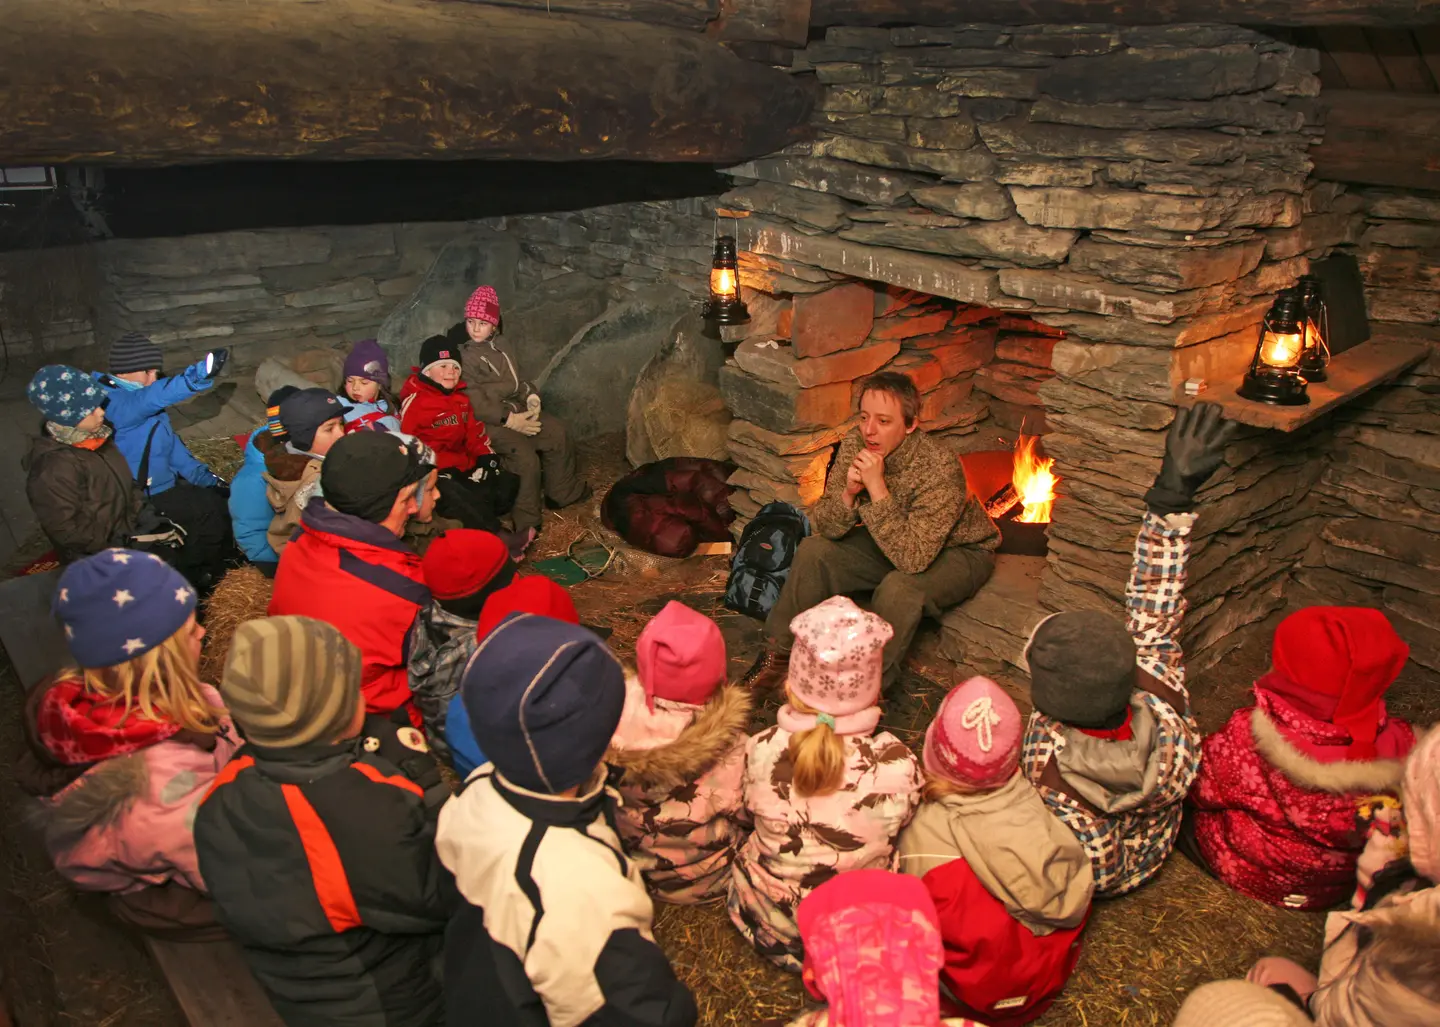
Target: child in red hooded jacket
[{"x": 1275, "y": 810}]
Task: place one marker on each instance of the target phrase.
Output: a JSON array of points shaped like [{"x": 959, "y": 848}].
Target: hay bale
[{"x": 243, "y": 594}]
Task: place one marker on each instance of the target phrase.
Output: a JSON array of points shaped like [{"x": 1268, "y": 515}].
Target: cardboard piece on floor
[{"x": 31, "y": 636}]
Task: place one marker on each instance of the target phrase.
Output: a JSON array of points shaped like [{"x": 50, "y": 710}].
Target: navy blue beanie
[
  {"x": 64, "y": 394},
  {"x": 544, "y": 699},
  {"x": 120, "y": 604}
]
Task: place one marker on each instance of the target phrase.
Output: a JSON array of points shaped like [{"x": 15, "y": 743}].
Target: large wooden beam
[
  {"x": 682, "y": 14},
  {"x": 1126, "y": 12},
  {"x": 188, "y": 81},
  {"x": 1380, "y": 138}
]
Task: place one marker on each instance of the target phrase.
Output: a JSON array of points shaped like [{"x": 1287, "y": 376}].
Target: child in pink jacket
[
  {"x": 125, "y": 745},
  {"x": 681, "y": 747},
  {"x": 827, "y": 793}
]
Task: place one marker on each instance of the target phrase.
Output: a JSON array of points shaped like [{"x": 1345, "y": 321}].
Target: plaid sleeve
[{"x": 1155, "y": 599}]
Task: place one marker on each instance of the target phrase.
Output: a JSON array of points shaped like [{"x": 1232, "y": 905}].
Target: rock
[
  {"x": 179, "y": 257},
  {"x": 1160, "y": 74},
  {"x": 866, "y": 126},
  {"x": 1044, "y": 173},
  {"x": 952, "y": 133},
  {"x": 1005, "y": 83},
  {"x": 951, "y": 405},
  {"x": 1034, "y": 350},
  {"x": 916, "y": 101},
  {"x": 842, "y": 73},
  {"x": 273, "y": 374},
  {"x": 783, "y": 408},
  {"x": 1167, "y": 268},
  {"x": 1403, "y": 234},
  {"x": 936, "y": 58},
  {"x": 848, "y": 99},
  {"x": 803, "y": 205},
  {"x": 547, "y": 316},
  {"x": 765, "y": 274},
  {"x": 673, "y": 405},
  {"x": 806, "y": 469},
  {"x": 1417, "y": 449},
  {"x": 834, "y": 320},
  {"x": 1016, "y": 417},
  {"x": 920, "y": 367},
  {"x": 982, "y": 200},
  {"x": 1315, "y": 232},
  {"x": 1240, "y": 112},
  {"x": 769, "y": 317},
  {"x": 840, "y": 178},
  {"x": 1013, "y": 383},
  {"x": 1376, "y": 550},
  {"x": 963, "y": 355},
  {"x": 767, "y": 490},
  {"x": 913, "y": 217},
  {"x": 1066, "y": 40},
  {"x": 779, "y": 363},
  {"x": 1402, "y": 205},
  {"x": 956, "y": 335},
  {"x": 893, "y": 300},
  {"x": 922, "y": 272},
  {"x": 1076, "y": 292},
  {"x": 1234, "y": 318},
  {"x": 985, "y": 36},
  {"x": 1019, "y": 137},
  {"x": 908, "y": 327},
  {"x": 476, "y": 255},
  {"x": 1011, "y": 240},
  {"x": 1419, "y": 306},
  {"x": 965, "y": 166},
  {"x": 747, "y": 434},
  {"x": 1061, "y": 207}
]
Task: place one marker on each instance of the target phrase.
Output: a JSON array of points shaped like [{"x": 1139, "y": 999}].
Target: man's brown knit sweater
[{"x": 928, "y": 508}]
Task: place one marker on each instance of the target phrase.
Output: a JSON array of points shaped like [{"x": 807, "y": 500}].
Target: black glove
[
  {"x": 1194, "y": 449},
  {"x": 223, "y": 487},
  {"x": 216, "y": 359}
]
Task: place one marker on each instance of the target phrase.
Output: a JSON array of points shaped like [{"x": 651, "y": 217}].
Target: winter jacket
[
  {"x": 800, "y": 843},
  {"x": 465, "y": 753},
  {"x": 443, "y": 420},
  {"x": 377, "y": 416},
  {"x": 356, "y": 575},
  {"x": 928, "y": 508},
  {"x": 321, "y": 861},
  {"x": 492, "y": 376},
  {"x": 85, "y": 500},
  {"x": 680, "y": 789},
  {"x": 440, "y": 646},
  {"x": 1276, "y": 815},
  {"x": 291, "y": 480},
  {"x": 125, "y": 822},
  {"x": 137, "y": 413},
  {"x": 555, "y": 924},
  {"x": 250, "y": 510},
  {"x": 1123, "y": 798},
  {"x": 1012, "y": 887}
]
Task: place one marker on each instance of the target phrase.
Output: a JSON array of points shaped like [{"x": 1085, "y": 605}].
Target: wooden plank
[
  {"x": 786, "y": 22},
  {"x": 1331, "y": 77},
  {"x": 1401, "y": 60},
  {"x": 1351, "y": 51},
  {"x": 1427, "y": 40},
  {"x": 1352, "y": 373},
  {"x": 213, "y": 984},
  {"x": 1380, "y": 138},
  {"x": 1126, "y": 12},
  {"x": 682, "y": 14}
]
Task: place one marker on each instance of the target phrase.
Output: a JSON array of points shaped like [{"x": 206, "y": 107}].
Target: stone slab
[
  {"x": 1064, "y": 207},
  {"x": 1167, "y": 268},
  {"x": 983, "y": 200},
  {"x": 841, "y": 178},
  {"x": 787, "y": 444},
  {"x": 1012, "y": 240},
  {"x": 804, "y": 206},
  {"x": 781, "y": 408},
  {"x": 996, "y": 622},
  {"x": 1080, "y": 292},
  {"x": 836, "y": 319}
]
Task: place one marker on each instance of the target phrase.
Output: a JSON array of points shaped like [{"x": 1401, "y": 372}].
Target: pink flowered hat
[
  {"x": 835, "y": 666},
  {"x": 974, "y": 740},
  {"x": 484, "y": 304},
  {"x": 872, "y": 950}
]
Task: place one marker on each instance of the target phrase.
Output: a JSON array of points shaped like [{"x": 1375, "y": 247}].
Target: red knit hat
[
  {"x": 462, "y": 561},
  {"x": 484, "y": 304},
  {"x": 1345, "y": 655},
  {"x": 680, "y": 656},
  {"x": 537, "y": 594}
]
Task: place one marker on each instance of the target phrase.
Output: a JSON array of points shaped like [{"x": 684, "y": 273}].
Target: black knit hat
[
  {"x": 366, "y": 470},
  {"x": 1082, "y": 669},
  {"x": 437, "y": 347},
  {"x": 134, "y": 351},
  {"x": 304, "y": 411}
]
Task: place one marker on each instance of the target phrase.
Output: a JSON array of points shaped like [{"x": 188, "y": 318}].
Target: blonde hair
[
  {"x": 937, "y": 788},
  {"x": 817, "y": 755},
  {"x": 164, "y": 683}
]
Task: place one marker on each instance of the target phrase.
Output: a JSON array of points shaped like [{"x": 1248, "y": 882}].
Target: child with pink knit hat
[
  {"x": 1010, "y": 882},
  {"x": 681, "y": 746},
  {"x": 827, "y": 792}
]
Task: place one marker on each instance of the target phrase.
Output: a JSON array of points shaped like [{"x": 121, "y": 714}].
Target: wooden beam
[
  {"x": 1351, "y": 50},
  {"x": 1401, "y": 60},
  {"x": 680, "y": 14},
  {"x": 1380, "y": 138},
  {"x": 763, "y": 21},
  {"x": 1126, "y": 12},
  {"x": 188, "y": 81}
]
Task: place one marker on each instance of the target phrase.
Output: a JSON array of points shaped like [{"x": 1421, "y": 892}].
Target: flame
[{"x": 1034, "y": 481}]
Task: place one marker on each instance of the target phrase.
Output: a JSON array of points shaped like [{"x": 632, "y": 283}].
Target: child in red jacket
[
  {"x": 1011, "y": 883},
  {"x": 435, "y": 409}
]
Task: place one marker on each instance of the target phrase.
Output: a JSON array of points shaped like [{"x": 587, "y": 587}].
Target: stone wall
[
  {"x": 46, "y": 299},
  {"x": 1376, "y": 540}
]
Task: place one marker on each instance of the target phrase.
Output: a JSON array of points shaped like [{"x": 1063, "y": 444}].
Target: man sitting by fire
[{"x": 896, "y": 520}]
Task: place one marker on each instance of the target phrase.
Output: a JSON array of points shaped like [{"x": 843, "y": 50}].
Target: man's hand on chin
[{"x": 870, "y": 467}]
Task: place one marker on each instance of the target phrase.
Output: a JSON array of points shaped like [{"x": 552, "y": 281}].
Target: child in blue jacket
[{"x": 250, "y": 509}]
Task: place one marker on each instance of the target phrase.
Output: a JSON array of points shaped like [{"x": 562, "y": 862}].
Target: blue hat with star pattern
[
  {"x": 120, "y": 604},
  {"x": 64, "y": 394}
]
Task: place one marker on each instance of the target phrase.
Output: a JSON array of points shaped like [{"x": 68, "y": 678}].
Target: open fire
[{"x": 1034, "y": 481}]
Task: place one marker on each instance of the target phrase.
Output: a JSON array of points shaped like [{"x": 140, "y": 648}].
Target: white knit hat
[{"x": 1239, "y": 1004}]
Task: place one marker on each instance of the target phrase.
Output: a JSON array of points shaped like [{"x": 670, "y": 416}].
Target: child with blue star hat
[{"x": 126, "y": 741}]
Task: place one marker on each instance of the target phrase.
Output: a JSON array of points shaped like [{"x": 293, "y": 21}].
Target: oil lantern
[
  {"x": 1316, "y": 355},
  {"x": 725, "y": 306},
  {"x": 1274, "y": 375}
]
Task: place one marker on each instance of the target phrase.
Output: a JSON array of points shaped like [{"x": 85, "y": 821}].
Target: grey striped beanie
[
  {"x": 134, "y": 351},
  {"x": 291, "y": 681}
]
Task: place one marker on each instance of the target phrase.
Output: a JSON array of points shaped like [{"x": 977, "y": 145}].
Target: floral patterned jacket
[
  {"x": 681, "y": 768},
  {"x": 1129, "y": 830},
  {"x": 800, "y": 843}
]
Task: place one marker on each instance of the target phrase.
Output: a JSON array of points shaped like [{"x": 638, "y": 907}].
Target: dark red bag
[{"x": 670, "y": 506}]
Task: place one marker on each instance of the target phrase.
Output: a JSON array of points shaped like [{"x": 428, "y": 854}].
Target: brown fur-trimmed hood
[
  {"x": 103, "y": 793},
  {"x": 699, "y": 745},
  {"x": 281, "y": 464},
  {"x": 1339, "y": 778}
]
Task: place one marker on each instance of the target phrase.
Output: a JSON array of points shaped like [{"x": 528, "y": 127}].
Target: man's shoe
[
  {"x": 768, "y": 671},
  {"x": 585, "y": 494}
]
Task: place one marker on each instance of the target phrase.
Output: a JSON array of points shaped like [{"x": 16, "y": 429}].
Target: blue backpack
[{"x": 762, "y": 560}]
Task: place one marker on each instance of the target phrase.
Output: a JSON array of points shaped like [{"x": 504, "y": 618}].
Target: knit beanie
[
  {"x": 291, "y": 681},
  {"x": 680, "y": 656},
  {"x": 463, "y": 567},
  {"x": 435, "y": 349},
  {"x": 119, "y": 604},
  {"x": 64, "y": 394},
  {"x": 835, "y": 666},
  {"x": 873, "y": 949},
  {"x": 536, "y": 594},
  {"x": 368, "y": 360},
  {"x": 974, "y": 740},
  {"x": 484, "y": 304},
  {"x": 1082, "y": 669},
  {"x": 272, "y": 410},
  {"x": 304, "y": 411},
  {"x": 544, "y": 698},
  {"x": 1238, "y": 1004},
  {"x": 134, "y": 351},
  {"x": 365, "y": 470}
]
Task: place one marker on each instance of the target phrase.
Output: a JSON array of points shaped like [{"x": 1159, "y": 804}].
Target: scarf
[
  {"x": 69, "y": 435},
  {"x": 78, "y": 727}
]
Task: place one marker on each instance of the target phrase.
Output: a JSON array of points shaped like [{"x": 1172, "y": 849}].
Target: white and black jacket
[{"x": 554, "y": 927}]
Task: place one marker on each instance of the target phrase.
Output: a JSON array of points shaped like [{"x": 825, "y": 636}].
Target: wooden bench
[{"x": 213, "y": 984}]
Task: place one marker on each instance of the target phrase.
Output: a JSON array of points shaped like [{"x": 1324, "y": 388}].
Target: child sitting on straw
[
  {"x": 1011, "y": 884},
  {"x": 681, "y": 746},
  {"x": 313, "y": 421},
  {"x": 826, "y": 792},
  {"x": 368, "y": 403},
  {"x": 250, "y": 509},
  {"x": 125, "y": 743}
]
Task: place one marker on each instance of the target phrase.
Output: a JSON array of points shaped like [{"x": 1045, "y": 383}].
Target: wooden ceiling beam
[
  {"x": 1380, "y": 138},
  {"x": 1382, "y": 13}
]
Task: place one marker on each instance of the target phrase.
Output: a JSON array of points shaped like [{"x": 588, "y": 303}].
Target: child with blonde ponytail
[
  {"x": 826, "y": 791},
  {"x": 124, "y": 744}
]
